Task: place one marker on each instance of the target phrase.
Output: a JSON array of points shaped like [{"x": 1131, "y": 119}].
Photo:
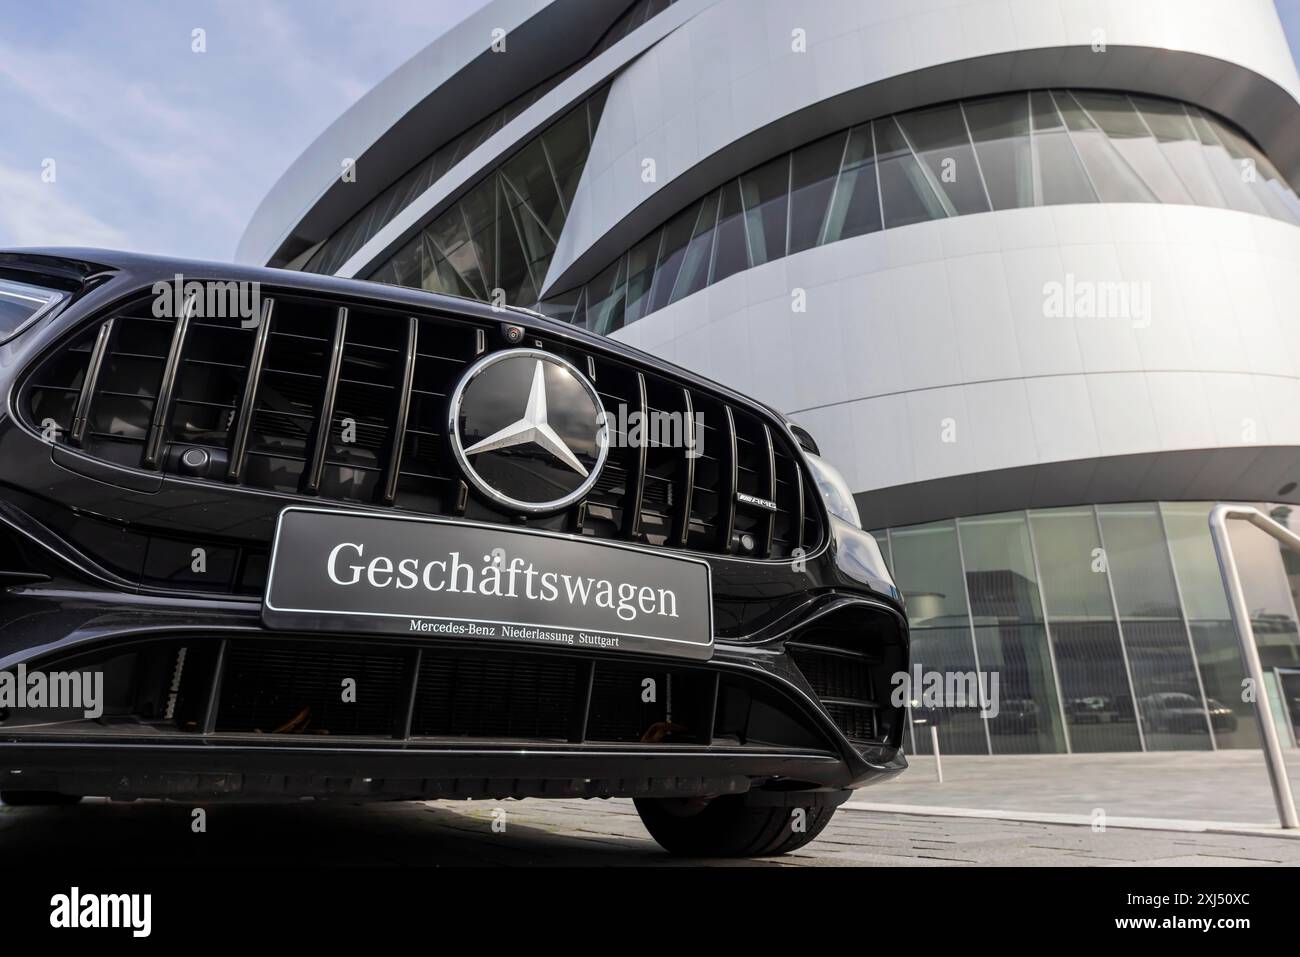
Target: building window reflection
[
  {"x": 1107, "y": 628},
  {"x": 1035, "y": 148}
]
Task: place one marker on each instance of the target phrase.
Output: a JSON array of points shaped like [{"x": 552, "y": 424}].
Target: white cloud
[
  {"x": 36, "y": 213},
  {"x": 175, "y": 148}
]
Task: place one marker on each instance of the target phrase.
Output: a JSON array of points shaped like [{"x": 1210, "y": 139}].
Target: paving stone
[{"x": 605, "y": 833}]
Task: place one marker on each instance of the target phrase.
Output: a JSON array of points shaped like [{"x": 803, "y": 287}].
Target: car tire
[
  {"x": 728, "y": 826},
  {"x": 38, "y": 798}
]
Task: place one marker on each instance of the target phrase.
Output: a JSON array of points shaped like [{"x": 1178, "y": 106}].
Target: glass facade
[
  {"x": 380, "y": 211},
  {"x": 1039, "y": 148},
  {"x": 1106, "y": 629},
  {"x": 495, "y": 243}
]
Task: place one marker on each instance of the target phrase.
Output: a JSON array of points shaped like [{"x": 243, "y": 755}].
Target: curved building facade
[{"x": 1027, "y": 269}]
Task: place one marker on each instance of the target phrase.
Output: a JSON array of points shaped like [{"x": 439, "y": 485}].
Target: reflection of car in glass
[
  {"x": 1016, "y": 716},
  {"x": 1094, "y": 709},
  {"x": 167, "y": 469},
  {"x": 1177, "y": 712}
]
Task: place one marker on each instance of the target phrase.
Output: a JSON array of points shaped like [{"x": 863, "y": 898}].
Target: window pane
[
  {"x": 731, "y": 254},
  {"x": 605, "y": 298},
  {"x": 640, "y": 275},
  {"x": 1139, "y": 561},
  {"x": 449, "y": 241},
  {"x": 813, "y": 171},
  {"x": 764, "y": 191},
  {"x": 1256, "y": 170},
  {"x": 1094, "y": 684},
  {"x": 580, "y": 310},
  {"x": 1174, "y": 718},
  {"x": 1187, "y": 525},
  {"x": 1029, "y": 717},
  {"x": 939, "y": 137},
  {"x": 479, "y": 211},
  {"x": 561, "y": 307},
  {"x": 904, "y": 188},
  {"x": 1178, "y": 141},
  {"x": 1000, "y": 129},
  {"x": 1222, "y": 674},
  {"x": 438, "y": 275},
  {"x": 1134, "y": 142},
  {"x": 1000, "y": 569},
  {"x": 1089, "y": 655},
  {"x": 856, "y": 207},
  {"x": 566, "y": 147},
  {"x": 929, "y": 573},
  {"x": 1227, "y": 174},
  {"x": 1074, "y": 583},
  {"x": 1113, "y": 178},
  {"x": 881, "y": 536},
  {"x": 694, "y": 274},
  {"x": 1061, "y": 177},
  {"x": 538, "y": 244},
  {"x": 1160, "y": 658},
  {"x": 961, "y": 729},
  {"x": 1009, "y": 635},
  {"x": 928, "y": 567},
  {"x": 513, "y": 277},
  {"x": 406, "y": 267},
  {"x": 1268, "y": 594},
  {"x": 677, "y": 235}
]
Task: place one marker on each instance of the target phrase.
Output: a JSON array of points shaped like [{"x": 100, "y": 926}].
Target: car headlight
[
  {"x": 22, "y": 304},
  {"x": 836, "y": 492}
]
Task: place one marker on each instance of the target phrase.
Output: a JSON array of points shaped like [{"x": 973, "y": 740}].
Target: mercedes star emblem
[{"x": 526, "y": 429}]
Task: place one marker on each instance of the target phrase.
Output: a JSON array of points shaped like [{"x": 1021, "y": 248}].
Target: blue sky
[{"x": 161, "y": 149}]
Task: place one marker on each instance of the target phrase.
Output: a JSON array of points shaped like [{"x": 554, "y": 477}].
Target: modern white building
[{"x": 1028, "y": 270}]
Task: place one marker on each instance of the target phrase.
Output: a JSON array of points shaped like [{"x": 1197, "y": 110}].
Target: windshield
[{"x": 20, "y": 304}]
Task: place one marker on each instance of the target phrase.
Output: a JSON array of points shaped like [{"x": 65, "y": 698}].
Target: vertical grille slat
[
  {"x": 81, "y": 418},
  {"x": 636, "y": 479},
  {"x": 320, "y": 445},
  {"x": 157, "y": 436},
  {"x": 728, "y": 483},
  {"x": 799, "y": 513},
  {"x": 683, "y": 531},
  {"x": 770, "y": 521},
  {"x": 248, "y": 405},
  {"x": 398, "y": 439}
]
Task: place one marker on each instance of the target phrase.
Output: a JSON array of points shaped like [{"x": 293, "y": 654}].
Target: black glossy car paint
[{"x": 60, "y": 600}]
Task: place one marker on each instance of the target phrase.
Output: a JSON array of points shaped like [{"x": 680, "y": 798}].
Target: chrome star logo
[
  {"x": 546, "y": 459},
  {"x": 533, "y": 428}
]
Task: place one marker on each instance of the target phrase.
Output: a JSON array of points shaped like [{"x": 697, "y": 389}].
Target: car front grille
[
  {"x": 851, "y": 665},
  {"x": 309, "y": 689},
  {"x": 348, "y": 403}
]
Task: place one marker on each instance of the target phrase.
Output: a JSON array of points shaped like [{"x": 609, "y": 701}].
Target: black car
[{"x": 322, "y": 538}]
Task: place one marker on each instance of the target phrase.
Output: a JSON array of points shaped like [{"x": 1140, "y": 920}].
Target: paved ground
[
  {"x": 1223, "y": 786},
  {"x": 601, "y": 833},
  {"x": 1169, "y": 809}
]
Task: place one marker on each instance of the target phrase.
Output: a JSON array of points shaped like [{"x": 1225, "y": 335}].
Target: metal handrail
[{"x": 1219, "y": 517}]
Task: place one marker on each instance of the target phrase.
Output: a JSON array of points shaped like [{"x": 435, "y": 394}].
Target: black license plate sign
[{"x": 357, "y": 571}]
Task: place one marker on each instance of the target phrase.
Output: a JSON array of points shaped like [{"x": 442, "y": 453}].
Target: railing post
[{"x": 1219, "y": 517}]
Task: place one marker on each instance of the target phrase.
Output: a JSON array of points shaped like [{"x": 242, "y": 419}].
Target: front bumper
[{"x": 561, "y": 725}]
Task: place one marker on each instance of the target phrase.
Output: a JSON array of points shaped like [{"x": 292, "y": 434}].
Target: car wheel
[
  {"x": 728, "y": 827},
  {"x": 38, "y": 798}
]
